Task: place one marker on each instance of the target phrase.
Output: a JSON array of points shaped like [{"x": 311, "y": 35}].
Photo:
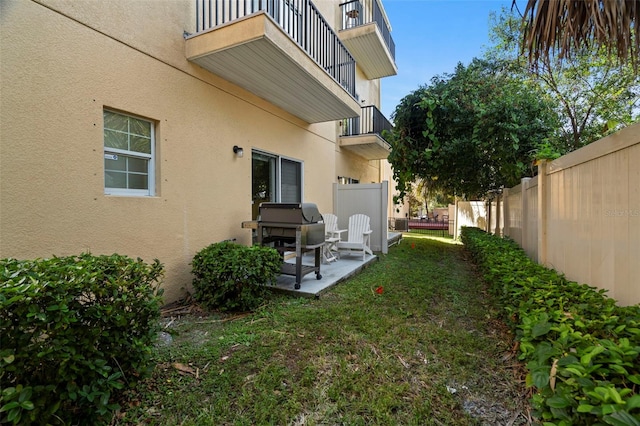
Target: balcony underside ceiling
[
  {"x": 255, "y": 54},
  {"x": 369, "y": 50},
  {"x": 370, "y": 146}
]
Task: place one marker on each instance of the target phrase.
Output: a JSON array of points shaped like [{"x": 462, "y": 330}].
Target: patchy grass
[{"x": 426, "y": 349}]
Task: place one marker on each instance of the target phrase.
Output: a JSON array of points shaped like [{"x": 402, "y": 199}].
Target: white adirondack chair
[
  {"x": 359, "y": 236},
  {"x": 331, "y": 226},
  {"x": 332, "y": 236}
]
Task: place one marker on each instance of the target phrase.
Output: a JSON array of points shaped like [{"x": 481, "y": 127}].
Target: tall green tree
[
  {"x": 471, "y": 131},
  {"x": 594, "y": 94}
]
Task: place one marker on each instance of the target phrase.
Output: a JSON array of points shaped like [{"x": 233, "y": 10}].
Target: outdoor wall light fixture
[{"x": 238, "y": 151}]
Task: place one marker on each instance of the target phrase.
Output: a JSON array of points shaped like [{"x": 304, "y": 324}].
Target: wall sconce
[{"x": 238, "y": 151}]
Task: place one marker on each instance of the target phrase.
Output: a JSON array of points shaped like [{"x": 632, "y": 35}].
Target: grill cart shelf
[
  {"x": 299, "y": 270},
  {"x": 293, "y": 227}
]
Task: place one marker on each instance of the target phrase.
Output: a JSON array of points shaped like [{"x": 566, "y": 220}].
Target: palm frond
[{"x": 564, "y": 26}]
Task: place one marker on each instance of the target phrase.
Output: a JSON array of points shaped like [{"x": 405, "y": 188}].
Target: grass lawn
[{"x": 426, "y": 349}]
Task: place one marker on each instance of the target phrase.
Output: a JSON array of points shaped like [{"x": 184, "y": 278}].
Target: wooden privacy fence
[{"x": 581, "y": 215}]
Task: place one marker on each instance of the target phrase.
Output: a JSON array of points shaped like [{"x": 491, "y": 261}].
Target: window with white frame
[{"x": 129, "y": 153}]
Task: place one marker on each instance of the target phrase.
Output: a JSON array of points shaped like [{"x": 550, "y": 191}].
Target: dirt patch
[{"x": 183, "y": 307}]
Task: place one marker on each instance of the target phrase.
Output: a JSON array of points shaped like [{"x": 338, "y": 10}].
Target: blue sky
[{"x": 431, "y": 37}]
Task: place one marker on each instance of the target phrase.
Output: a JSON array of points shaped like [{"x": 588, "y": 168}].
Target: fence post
[
  {"x": 543, "y": 202},
  {"x": 487, "y": 226},
  {"x": 455, "y": 219},
  {"x": 506, "y": 229},
  {"x": 384, "y": 209},
  {"x": 498, "y": 230},
  {"x": 524, "y": 206}
]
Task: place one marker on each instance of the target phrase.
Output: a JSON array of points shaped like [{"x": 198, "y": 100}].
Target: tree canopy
[
  {"x": 471, "y": 131},
  {"x": 480, "y": 127},
  {"x": 594, "y": 95}
]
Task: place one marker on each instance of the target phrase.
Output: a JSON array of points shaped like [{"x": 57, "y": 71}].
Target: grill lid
[{"x": 289, "y": 212}]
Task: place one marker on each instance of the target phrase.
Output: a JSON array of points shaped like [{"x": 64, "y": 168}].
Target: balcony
[
  {"x": 363, "y": 135},
  {"x": 366, "y": 32},
  {"x": 280, "y": 50}
]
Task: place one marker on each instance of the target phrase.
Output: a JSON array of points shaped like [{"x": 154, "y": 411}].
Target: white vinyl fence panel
[{"x": 369, "y": 199}]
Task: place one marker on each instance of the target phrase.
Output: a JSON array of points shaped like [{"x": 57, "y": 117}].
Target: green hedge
[
  {"x": 581, "y": 349},
  {"x": 231, "y": 276},
  {"x": 74, "y": 330}
]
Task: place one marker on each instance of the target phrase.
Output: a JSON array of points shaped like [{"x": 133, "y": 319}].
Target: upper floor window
[{"x": 129, "y": 153}]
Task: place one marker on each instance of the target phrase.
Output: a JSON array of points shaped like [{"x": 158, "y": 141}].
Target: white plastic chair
[
  {"x": 359, "y": 236},
  {"x": 332, "y": 236},
  {"x": 331, "y": 226}
]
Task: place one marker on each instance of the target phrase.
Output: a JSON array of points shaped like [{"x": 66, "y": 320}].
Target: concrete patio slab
[{"x": 332, "y": 273}]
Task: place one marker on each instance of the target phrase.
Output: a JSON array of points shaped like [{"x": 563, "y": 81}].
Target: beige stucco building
[{"x": 119, "y": 120}]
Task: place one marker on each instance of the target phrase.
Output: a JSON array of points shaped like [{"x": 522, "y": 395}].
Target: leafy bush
[
  {"x": 230, "y": 276},
  {"x": 74, "y": 330},
  {"x": 582, "y": 350}
]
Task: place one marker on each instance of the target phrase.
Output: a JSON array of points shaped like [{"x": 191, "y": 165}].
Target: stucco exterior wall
[
  {"x": 62, "y": 64},
  {"x": 349, "y": 165}
]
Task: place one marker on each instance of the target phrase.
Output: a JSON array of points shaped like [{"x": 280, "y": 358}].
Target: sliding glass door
[{"x": 274, "y": 179}]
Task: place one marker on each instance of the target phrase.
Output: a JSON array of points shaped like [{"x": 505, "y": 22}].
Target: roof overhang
[{"x": 257, "y": 55}]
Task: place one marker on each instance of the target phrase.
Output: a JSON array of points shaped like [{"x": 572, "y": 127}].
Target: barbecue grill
[{"x": 293, "y": 227}]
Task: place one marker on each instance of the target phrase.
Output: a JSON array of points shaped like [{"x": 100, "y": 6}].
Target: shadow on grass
[{"x": 413, "y": 339}]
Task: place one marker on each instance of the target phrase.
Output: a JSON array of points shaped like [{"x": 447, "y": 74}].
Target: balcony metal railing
[
  {"x": 300, "y": 19},
  {"x": 356, "y": 13},
  {"x": 371, "y": 121}
]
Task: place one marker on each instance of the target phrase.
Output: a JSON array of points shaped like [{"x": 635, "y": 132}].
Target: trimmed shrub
[
  {"x": 231, "y": 276},
  {"x": 582, "y": 351},
  {"x": 74, "y": 330}
]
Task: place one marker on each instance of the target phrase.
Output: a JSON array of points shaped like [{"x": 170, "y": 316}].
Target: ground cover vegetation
[
  {"x": 74, "y": 331},
  {"x": 413, "y": 339},
  {"x": 582, "y": 351}
]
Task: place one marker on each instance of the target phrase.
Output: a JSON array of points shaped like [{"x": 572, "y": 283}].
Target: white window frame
[
  {"x": 278, "y": 183},
  {"x": 151, "y": 178}
]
